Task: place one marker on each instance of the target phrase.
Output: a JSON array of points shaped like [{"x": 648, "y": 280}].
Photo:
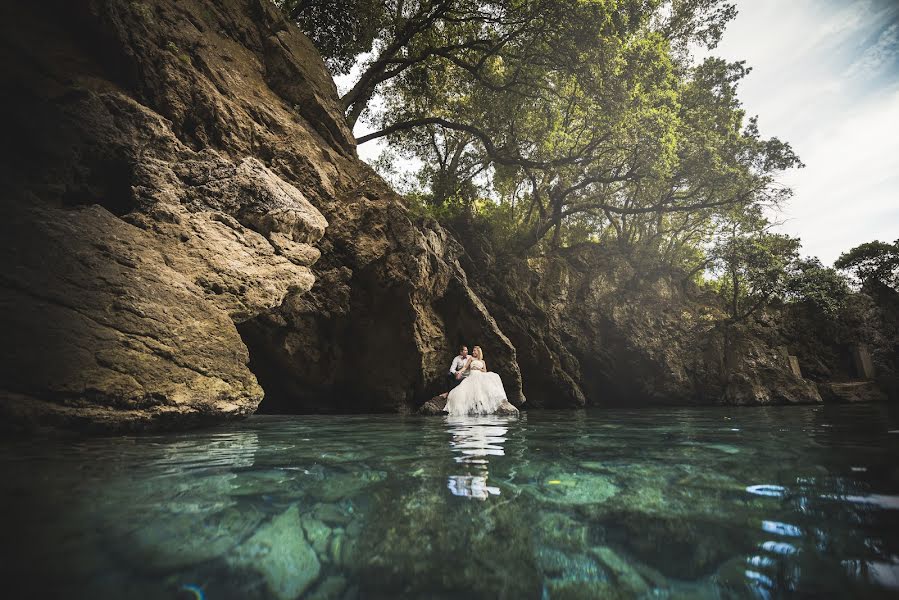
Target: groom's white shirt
[{"x": 457, "y": 365}]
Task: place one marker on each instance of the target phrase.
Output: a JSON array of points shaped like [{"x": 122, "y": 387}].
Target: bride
[{"x": 481, "y": 393}]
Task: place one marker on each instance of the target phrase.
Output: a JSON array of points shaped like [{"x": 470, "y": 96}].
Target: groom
[{"x": 455, "y": 375}]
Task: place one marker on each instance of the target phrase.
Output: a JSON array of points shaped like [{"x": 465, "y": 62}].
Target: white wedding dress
[{"x": 479, "y": 394}]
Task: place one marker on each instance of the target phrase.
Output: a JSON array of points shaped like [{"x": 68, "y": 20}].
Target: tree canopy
[
  {"x": 752, "y": 263},
  {"x": 873, "y": 262},
  {"x": 570, "y": 121},
  {"x": 503, "y": 45},
  {"x": 816, "y": 285}
]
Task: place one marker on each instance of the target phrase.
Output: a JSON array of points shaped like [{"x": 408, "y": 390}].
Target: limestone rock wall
[
  {"x": 590, "y": 329},
  {"x": 187, "y": 229},
  {"x": 379, "y": 328},
  {"x": 170, "y": 171},
  {"x": 141, "y": 214}
]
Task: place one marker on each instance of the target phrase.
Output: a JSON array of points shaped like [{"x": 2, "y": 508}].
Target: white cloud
[
  {"x": 825, "y": 79},
  {"x": 878, "y": 55}
]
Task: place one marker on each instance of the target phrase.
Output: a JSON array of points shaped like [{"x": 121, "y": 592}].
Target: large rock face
[
  {"x": 827, "y": 345},
  {"x": 183, "y": 212},
  {"x": 590, "y": 329},
  {"x": 142, "y": 217},
  {"x": 171, "y": 169},
  {"x": 378, "y": 330}
]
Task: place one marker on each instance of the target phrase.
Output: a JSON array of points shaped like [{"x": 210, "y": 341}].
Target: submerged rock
[
  {"x": 626, "y": 575},
  {"x": 331, "y": 587},
  {"x": 574, "y": 489},
  {"x": 279, "y": 551},
  {"x": 317, "y": 533},
  {"x": 163, "y": 541},
  {"x": 406, "y": 534},
  {"x": 159, "y": 524},
  {"x": 339, "y": 486},
  {"x": 673, "y": 545},
  {"x": 562, "y": 531},
  {"x": 573, "y": 575}
]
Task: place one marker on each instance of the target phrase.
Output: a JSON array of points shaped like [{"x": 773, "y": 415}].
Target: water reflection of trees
[{"x": 474, "y": 439}]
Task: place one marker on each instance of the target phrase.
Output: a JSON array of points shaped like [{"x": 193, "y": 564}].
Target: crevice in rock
[
  {"x": 266, "y": 365},
  {"x": 106, "y": 181}
]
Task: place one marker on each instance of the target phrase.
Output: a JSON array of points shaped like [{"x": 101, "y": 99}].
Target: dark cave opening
[
  {"x": 266, "y": 365},
  {"x": 107, "y": 182}
]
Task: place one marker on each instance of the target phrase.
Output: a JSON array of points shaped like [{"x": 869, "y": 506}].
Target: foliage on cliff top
[
  {"x": 561, "y": 122},
  {"x": 876, "y": 262},
  {"x": 580, "y": 120}
]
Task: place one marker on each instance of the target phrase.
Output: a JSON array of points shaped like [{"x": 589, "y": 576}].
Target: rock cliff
[
  {"x": 186, "y": 224},
  {"x": 172, "y": 168},
  {"x": 830, "y": 347},
  {"x": 592, "y": 329}
]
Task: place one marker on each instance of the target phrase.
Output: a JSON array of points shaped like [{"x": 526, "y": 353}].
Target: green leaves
[
  {"x": 751, "y": 264},
  {"x": 876, "y": 262},
  {"x": 819, "y": 286},
  {"x": 582, "y": 120},
  {"x": 340, "y": 29}
]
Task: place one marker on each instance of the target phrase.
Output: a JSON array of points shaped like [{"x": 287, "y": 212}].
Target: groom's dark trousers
[{"x": 452, "y": 381}]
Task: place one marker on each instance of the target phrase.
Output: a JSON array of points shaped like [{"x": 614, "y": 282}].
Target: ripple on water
[
  {"x": 774, "y": 491},
  {"x": 759, "y": 578},
  {"x": 761, "y": 561},
  {"x": 779, "y": 528},
  {"x": 782, "y": 548},
  {"x": 471, "y": 486},
  {"x": 879, "y": 500},
  {"x": 881, "y": 573},
  {"x": 604, "y": 504}
]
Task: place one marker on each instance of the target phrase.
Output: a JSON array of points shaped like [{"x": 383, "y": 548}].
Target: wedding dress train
[{"x": 479, "y": 394}]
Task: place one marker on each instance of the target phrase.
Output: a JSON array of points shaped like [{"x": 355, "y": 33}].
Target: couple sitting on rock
[{"x": 473, "y": 390}]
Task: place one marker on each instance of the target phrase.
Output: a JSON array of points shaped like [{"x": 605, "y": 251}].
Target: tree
[
  {"x": 584, "y": 120},
  {"x": 340, "y": 29},
  {"x": 651, "y": 160},
  {"x": 391, "y": 38},
  {"x": 822, "y": 287},
  {"x": 752, "y": 264},
  {"x": 701, "y": 160},
  {"x": 873, "y": 262}
]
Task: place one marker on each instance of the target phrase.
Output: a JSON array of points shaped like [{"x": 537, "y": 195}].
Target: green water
[{"x": 674, "y": 503}]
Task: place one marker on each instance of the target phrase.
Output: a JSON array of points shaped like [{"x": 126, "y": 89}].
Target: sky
[{"x": 825, "y": 78}]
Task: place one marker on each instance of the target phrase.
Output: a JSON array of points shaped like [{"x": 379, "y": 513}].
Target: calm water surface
[{"x": 674, "y": 503}]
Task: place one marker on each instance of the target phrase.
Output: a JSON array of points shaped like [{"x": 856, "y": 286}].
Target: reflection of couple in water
[
  {"x": 474, "y": 390},
  {"x": 473, "y": 441}
]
